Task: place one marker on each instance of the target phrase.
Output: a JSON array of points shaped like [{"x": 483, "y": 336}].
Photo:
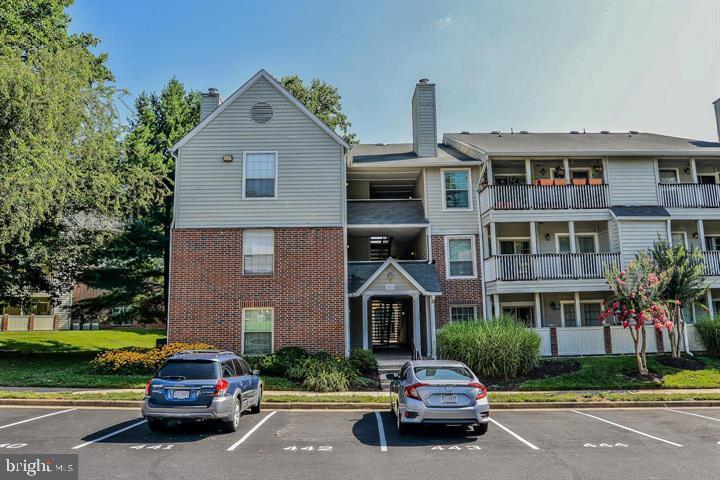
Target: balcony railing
[
  {"x": 689, "y": 195},
  {"x": 554, "y": 266},
  {"x": 712, "y": 262},
  {"x": 543, "y": 197}
]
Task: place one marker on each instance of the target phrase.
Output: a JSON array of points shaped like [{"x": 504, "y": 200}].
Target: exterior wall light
[{"x": 227, "y": 158}]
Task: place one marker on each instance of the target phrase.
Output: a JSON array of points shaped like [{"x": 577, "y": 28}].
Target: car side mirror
[
  {"x": 256, "y": 373},
  {"x": 391, "y": 376}
]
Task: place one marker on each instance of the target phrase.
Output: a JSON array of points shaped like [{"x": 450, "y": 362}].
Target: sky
[{"x": 541, "y": 66}]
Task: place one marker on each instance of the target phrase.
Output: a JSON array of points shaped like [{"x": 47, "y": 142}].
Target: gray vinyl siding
[
  {"x": 449, "y": 222},
  {"x": 310, "y": 168},
  {"x": 614, "y": 236},
  {"x": 633, "y": 181},
  {"x": 639, "y": 235}
]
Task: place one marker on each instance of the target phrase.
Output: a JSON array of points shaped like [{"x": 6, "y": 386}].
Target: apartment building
[{"x": 285, "y": 235}]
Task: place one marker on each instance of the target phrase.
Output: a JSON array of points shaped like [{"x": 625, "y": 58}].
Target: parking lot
[{"x": 553, "y": 444}]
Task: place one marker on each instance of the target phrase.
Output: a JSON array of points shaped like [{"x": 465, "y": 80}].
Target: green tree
[
  {"x": 685, "y": 269},
  {"x": 323, "y": 100}
]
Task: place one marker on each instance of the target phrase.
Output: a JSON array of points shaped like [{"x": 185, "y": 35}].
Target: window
[
  {"x": 239, "y": 368},
  {"x": 580, "y": 173},
  {"x": 712, "y": 242},
  {"x": 456, "y": 374},
  {"x": 589, "y": 313},
  {"x": 462, "y": 313},
  {"x": 461, "y": 257},
  {"x": 515, "y": 246},
  {"x": 584, "y": 243},
  {"x": 669, "y": 176},
  {"x": 260, "y": 172},
  {"x": 258, "y": 246},
  {"x": 522, "y": 313},
  {"x": 456, "y": 189},
  {"x": 189, "y": 370},
  {"x": 228, "y": 370},
  {"x": 679, "y": 238},
  {"x": 257, "y": 331}
]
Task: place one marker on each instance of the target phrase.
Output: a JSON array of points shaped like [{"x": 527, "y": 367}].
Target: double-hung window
[
  {"x": 257, "y": 331},
  {"x": 456, "y": 189},
  {"x": 462, "y": 313},
  {"x": 669, "y": 176},
  {"x": 260, "y": 173},
  {"x": 461, "y": 257},
  {"x": 258, "y": 252}
]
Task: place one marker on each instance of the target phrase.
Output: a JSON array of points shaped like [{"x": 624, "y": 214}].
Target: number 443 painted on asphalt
[{"x": 604, "y": 445}]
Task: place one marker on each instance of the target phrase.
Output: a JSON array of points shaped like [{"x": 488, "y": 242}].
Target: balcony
[
  {"x": 544, "y": 197},
  {"x": 689, "y": 195},
  {"x": 712, "y": 263},
  {"x": 554, "y": 266}
]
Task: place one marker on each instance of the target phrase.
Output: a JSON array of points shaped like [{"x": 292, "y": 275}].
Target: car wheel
[
  {"x": 156, "y": 424},
  {"x": 256, "y": 408},
  {"x": 401, "y": 427},
  {"x": 481, "y": 429},
  {"x": 233, "y": 423}
]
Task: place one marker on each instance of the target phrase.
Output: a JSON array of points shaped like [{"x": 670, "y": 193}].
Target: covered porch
[{"x": 392, "y": 307}]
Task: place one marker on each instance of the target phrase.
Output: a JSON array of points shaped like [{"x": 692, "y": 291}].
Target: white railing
[
  {"x": 545, "y": 342},
  {"x": 44, "y": 322},
  {"x": 554, "y": 266},
  {"x": 543, "y": 197},
  {"x": 580, "y": 341},
  {"x": 18, "y": 323},
  {"x": 712, "y": 262},
  {"x": 689, "y": 195}
]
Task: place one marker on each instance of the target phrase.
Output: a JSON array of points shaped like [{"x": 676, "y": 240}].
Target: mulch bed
[
  {"x": 546, "y": 369},
  {"x": 683, "y": 363}
]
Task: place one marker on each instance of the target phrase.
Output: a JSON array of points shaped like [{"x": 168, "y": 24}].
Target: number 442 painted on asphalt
[{"x": 604, "y": 445}]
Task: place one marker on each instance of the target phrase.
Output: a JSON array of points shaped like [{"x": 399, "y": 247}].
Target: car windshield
[
  {"x": 443, "y": 373},
  {"x": 189, "y": 370}
]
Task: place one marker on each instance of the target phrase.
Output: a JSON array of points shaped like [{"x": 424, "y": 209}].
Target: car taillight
[
  {"x": 411, "y": 391},
  {"x": 483, "y": 391},
  {"x": 148, "y": 385},
  {"x": 221, "y": 387}
]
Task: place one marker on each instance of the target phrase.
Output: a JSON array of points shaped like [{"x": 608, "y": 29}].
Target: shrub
[
  {"x": 709, "y": 331},
  {"x": 327, "y": 380},
  {"x": 498, "y": 348},
  {"x": 324, "y": 372},
  {"x": 279, "y": 363},
  {"x": 134, "y": 361},
  {"x": 364, "y": 361}
]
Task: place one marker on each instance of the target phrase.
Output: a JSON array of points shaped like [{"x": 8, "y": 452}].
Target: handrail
[
  {"x": 551, "y": 266},
  {"x": 544, "y": 197},
  {"x": 689, "y": 195}
]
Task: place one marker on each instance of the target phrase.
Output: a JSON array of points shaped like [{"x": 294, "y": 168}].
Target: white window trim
[
  {"x": 272, "y": 328},
  {"x": 572, "y": 302},
  {"x": 257, "y": 230},
  {"x": 469, "y": 189},
  {"x": 685, "y": 238},
  {"x": 577, "y": 234},
  {"x": 474, "y": 307},
  {"x": 447, "y": 256},
  {"x": 711, "y": 174},
  {"x": 245, "y": 177},
  {"x": 513, "y": 239},
  {"x": 677, "y": 174}
]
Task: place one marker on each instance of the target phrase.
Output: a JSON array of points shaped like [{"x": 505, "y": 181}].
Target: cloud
[{"x": 444, "y": 22}]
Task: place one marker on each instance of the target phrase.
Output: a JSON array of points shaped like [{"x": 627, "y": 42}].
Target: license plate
[
  {"x": 181, "y": 394},
  {"x": 448, "y": 398}
]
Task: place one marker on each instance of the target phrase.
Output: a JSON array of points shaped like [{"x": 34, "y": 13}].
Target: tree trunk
[
  {"x": 643, "y": 343},
  {"x": 639, "y": 352},
  {"x": 676, "y": 333}
]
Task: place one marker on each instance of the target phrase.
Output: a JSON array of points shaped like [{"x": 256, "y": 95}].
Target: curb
[{"x": 373, "y": 406}]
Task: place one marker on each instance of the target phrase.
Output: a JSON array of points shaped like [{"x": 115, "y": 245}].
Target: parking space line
[
  {"x": 112, "y": 434},
  {"x": 251, "y": 431},
  {"x": 381, "y": 432},
  {"x": 629, "y": 429},
  {"x": 694, "y": 414},
  {"x": 514, "y": 434},
  {"x": 37, "y": 418}
]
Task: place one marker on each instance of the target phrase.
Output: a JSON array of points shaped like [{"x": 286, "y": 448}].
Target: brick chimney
[
  {"x": 209, "y": 102},
  {"x": 424, "y": 121}
]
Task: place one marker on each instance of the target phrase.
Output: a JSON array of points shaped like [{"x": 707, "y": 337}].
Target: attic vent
[{"x": 261, "y": 112}]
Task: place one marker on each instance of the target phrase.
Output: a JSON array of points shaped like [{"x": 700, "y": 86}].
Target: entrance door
[
  {"x": 524, "y": 314},
  {"x": 389, "y": 322}
]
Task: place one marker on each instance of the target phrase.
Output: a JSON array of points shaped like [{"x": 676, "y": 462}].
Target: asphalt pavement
[{"x": 643, "y": 443}]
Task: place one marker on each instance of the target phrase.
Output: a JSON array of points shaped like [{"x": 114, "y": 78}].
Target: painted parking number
[
  {"x": 309, "y": 448},
  {"x": 13, "y": 445},
  {"x": 152, "y": 447},
  {"x": 456, "y": 448},
  {"x": 604, "y": 445}
]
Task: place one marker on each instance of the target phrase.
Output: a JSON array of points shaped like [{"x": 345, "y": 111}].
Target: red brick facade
[
  {"x": 208, "y": 289},
  {"x": 455, "y": 292}
]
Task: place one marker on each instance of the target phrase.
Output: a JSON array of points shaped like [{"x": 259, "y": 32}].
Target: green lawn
[
  {"x": 79, "y": 341},
  {"x": 615, "y": 373}
]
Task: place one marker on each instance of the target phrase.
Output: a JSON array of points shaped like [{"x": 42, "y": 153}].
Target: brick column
[
  {"x": 5, "y": 320},
  {"x": 56, "y": 321},
  {"x": 31, "y": 322},
  {"x": 608, "y": 339},
  {"x": 553, "y": 342},
  {"x": 659, "y": 341}
]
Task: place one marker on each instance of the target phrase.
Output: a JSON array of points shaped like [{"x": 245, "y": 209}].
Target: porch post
[
  {"x": 496, "y": 304},
  {"x": 538, "y": 311},
  {"x": 604, "y": 168},
  {"x": 366, "y": 340},
  {"x": 528, "y": 172},
  {"x": 416, "y": 322},
  {"x": 533, "y": 238},
  {"x": 668, "y": 226},
  {"x": 578, "y": 316},
  {"x": 433, "y": 327},
  {"x": 571, "y": 234},
  {"x": 693, "y": 170},
  {"x": 491, "y": 180},
  {"x": 566, "y": 167},
  {"x": 493, "y": 239},
  {"x": 711, "y": 309},
  {"x": 428, "y": 327},
  {"x": 701, "y": 233}
]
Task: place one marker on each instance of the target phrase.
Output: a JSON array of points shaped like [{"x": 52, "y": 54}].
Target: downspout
[
  {"x": 343, "y": 216},
  {"x": 481, "y": 240},
  {"x": 170, "y": 246}
]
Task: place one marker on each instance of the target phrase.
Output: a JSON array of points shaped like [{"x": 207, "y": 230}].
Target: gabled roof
[
  {"x": 385, "y": 212},
  {"x": 639, "y": 212},
  {"x": 261, "y": 74},
  {"x": 584, "y": 144},
  {"x": 422, "y": 275}
]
